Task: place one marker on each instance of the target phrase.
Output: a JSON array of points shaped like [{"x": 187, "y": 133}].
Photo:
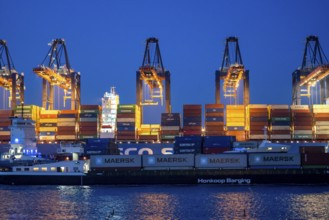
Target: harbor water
[{"x": 164, "y": 202}]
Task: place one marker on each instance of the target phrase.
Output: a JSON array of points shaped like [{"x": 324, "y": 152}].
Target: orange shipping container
[{"x": 214, "y": 105}]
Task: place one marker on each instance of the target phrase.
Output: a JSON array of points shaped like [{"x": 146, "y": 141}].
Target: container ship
[{"x": 215, "y": 143}]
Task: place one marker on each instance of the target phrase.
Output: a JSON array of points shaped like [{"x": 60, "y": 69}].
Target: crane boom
[
  {"x": 9, "y": 78},
  {"x": 56, "y": 70}
]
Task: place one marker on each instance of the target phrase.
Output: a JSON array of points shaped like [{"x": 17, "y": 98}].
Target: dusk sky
[{"x": 106, "y": 42}]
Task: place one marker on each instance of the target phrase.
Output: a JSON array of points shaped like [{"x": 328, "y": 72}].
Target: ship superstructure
[
  {"x": 110, "y": 103},
  {"x": 23, "y": 139}
]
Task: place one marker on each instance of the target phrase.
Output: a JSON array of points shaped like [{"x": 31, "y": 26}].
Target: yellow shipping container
[
  {"x": 235, "y": 107},
  {"x": 48, "y": 129},
  {"x": 48, "y": 120}
]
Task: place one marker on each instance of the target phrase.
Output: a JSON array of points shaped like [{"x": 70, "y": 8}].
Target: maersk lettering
[
  {"x": 171, "y": 160},
  {"x": 119, "y": 160},
  {"x": 278, "y": 158},
  {"x": 224, "y": 160}
]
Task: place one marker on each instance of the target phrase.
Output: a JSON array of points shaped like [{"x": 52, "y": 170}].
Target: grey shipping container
[
  {"x": 115, "y": 161},
  {"x": 228, "y": 161},
  {"x": 169, "y": 161},
  {"x": 274, "y": 159}
]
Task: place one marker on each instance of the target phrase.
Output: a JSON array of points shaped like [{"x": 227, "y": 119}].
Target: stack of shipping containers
[
  {"x": 5, "y": 122},
  {"x": 321, "y": 121},
  {"x": 217, "y": 144},
  {"x": 149, "y": 132},
  {"x": 128, "y": 121},
  {"x": 89, "y": 121},
  {"x": 214, "y": 120},
  {"x": 188, "y": 145},
  {"x": 236, "y": 121},
  {"x": 170, "y": 126},
  {"x": 30, "y": 112},
  {"x": 67, "y": 125},
  {"x": 192, "y": 120},
  {"x": 302, "y": 120},
  {"x": 48, "y": 125},
  {"x": 258, "y": 122},
  {"x": 280, "y": 122}
]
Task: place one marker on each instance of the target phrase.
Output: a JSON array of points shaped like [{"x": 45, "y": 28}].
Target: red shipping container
[
  {"x": 214, "y": 105},
  {"x": 215, "y": 133},
  {"x": 315, "y": 159},
  {"x": 312, "y": 149}
]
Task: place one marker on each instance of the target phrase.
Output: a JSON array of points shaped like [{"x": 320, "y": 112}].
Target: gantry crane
[
  {"x": 9, "y": 78},
  {"x": 231, "y": 73},
  {"x": 56, "y": 70},
  {"x": 151, "y": 75},
  {"x": 314, "y": 70}
]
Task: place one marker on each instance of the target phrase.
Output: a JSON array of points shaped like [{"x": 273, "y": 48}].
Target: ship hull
[{"x": 152, "y": 177}]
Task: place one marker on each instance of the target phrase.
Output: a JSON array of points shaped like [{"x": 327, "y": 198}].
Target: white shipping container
[
  {"x": 275, "y": 128},
  {"x": 170, "y": 128},
  {"x": 279, "y": 106},
  {"x": 274, "y": 159},
  {"x": 174, "y": 160},
  {"x": 322, "y": 123},
  {"x": 66, "y": 119},
  {"x": 228, "y": 161},
  {"x": 321, "y": 107},
  {"x": 115, "y": 161},
  {"x": 299, "y": 107},
  {"x": 302, "y": 131},
  {"x": 280, "y": 136},
  {"x": 125, "y": 119},
  {"x": 322, "y": 127},
  {"x": 322, "y": 132}
]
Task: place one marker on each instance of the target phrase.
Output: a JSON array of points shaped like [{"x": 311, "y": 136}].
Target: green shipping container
[
  {"x": 302, "y": 136},
  {"x": 280, "y": 118},
  {"x": 120, "y": 111}
]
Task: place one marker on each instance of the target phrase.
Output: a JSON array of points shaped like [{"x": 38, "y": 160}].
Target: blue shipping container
[
  {"x": 126, "y": 128},
  {"x": 216, "y": 119},
  {"x": 122, "y": 124},
  {"x": 218, "y": 141},
  {"x": 188, "y": 119}
]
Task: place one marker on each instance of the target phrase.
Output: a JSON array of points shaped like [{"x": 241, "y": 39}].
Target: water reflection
[
  {"x": 309, "y": 206},
  {"x": 233, "y": 205},
  {"x": 156, "y": 206},
  {"x": 164, "y": 202}
]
